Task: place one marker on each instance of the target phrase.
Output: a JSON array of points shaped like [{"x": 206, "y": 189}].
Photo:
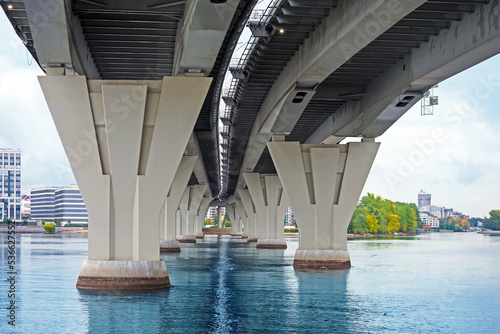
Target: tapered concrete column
[
  {"x": 323, "y": 183},
  {"x": 189, "y": 205},
  {"x": 266, "y": 192},
  {"x": 234, "y": 216},
  {"x": 168, "y": 242},
  {"x": 124, "y": 141},
  {"x": 251, "y": 214},
  {"x": 200, "y": 217},
  {"x": 243, "y": 221}
]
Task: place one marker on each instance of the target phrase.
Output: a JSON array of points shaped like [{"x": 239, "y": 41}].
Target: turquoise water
[{"x": 437, "y": 283}]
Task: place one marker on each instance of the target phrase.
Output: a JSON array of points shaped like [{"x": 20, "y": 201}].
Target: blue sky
[{"x": 460, "y": 167}]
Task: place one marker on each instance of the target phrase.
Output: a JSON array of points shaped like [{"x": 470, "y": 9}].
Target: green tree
[
  {"x": 360, "y": 226},
  {"x": 208, "y": 221},
  {"x": 372, "y": 222},
  {"x": 493, "y": 222}
]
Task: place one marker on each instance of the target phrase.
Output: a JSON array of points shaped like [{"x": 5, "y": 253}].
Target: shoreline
[{"x": 39, "y": 229}]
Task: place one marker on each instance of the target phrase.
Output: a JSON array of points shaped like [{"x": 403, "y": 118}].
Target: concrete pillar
[
  {"x": 251, "y": 215},
  {"x": 200, "y": 217},
  {"x": 168, "y": 242},
  {"x": 189, "y": 205},
  {"x": 124, "y": 141},
  {"x": 234, "y": 216},
  {"x": 267, "y": 196},
  {"x": 323, "y": 183},
  {"x": 242, "y": 222},
  {"x": 219, "y": 217}
]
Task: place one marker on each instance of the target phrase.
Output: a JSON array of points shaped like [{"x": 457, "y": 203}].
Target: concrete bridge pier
[
  {"x": 323, "y": 183},
  {"x": 188, "y": 207},
  {"x": 168, "y": 242},
  {"x": 270, "y": 204},
  {"x": 251, "y": 215},
  {"x": 124, "y": 141},
  {"x": 234, "y": 213},
  {"x": 200, "y": 217}
]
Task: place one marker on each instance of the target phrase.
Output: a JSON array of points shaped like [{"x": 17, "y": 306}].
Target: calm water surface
[{"x": 437, "y": 283}]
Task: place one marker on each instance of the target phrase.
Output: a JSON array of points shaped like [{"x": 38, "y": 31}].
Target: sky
[{"x": 453, "y": 155}]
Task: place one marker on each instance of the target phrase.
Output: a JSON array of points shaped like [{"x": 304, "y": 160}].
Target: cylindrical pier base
[
  {"x": 123, "y": 275},
  {"x": 271, "y": 244},
  {"x": 322, "y": 259},
  {"x": 199, "y": 235}
]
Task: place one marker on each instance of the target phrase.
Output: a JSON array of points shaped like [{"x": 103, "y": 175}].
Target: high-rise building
[
  {"x": 424, "y": 199},
  {"x": 10, "y": 184},
  {"x": 212, "y": 213},
  {"x": 63, "y": 204},
  {"x": 290, "y": 218}
]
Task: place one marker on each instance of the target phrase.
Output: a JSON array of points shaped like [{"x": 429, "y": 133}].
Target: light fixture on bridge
[
  {"x": 229, "y": 101},
  {"x": 281, "y": 31},
  {"x": 9, "y": 6},
  {"x": 428, "y": 102}
]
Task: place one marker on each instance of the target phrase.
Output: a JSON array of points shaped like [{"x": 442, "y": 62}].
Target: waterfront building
[
  {"x": 429, "y": 221},
  {"x": 10, "y": 184},
  {"x": 424, "y": 199},
  {"x": 212, "y": 213},
  {"x": 63, "y": 204}
]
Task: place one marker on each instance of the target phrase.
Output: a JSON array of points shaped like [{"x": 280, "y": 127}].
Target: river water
[{"x": 435, "y": 283}]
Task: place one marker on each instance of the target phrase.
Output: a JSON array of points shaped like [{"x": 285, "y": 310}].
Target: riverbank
[
  {"x": 39, "y": 229},
  {"x": 489, "y": 232}
]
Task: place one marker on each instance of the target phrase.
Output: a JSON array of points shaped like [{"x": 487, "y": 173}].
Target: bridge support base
[
  {"x": 186, "y": 239},
  {"x": 252, "y": 238},
  {"x": 169, "y": 246},
  {"x": 271, "y": 244},
  {"x": 199, "y": 235},
  {"x": 123, "y": 275},
  {"x": 321, "y": 259}
]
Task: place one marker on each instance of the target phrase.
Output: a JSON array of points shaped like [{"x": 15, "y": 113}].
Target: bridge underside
[{"x": 134, "y": 89}]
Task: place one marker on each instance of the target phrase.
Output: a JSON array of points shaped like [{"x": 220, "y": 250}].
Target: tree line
[
  {"x": 493, "y": 222},
  {"x": 377, "y": 215}
]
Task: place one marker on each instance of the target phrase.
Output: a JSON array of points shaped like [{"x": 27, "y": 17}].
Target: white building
[
  {"x": 64, "y": 204},
  {"x": 25, "y": 207},
  {"x": 429, "y": 220},
  {"x": 212, "y": 213},
  {"x": 10, "y": 184}
]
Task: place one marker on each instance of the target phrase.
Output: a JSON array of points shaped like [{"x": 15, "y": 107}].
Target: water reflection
[
  {"x": 437, "y": 283},
  {"x": 122, "y": 312}
]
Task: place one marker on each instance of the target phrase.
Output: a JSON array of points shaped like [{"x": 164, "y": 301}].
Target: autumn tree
[
  {"x": 394, "y": 224},
  {"x": 372, "y": 223}
]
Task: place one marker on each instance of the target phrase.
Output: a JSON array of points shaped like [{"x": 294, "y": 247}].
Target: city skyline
[{"x": 439, "y": 153}]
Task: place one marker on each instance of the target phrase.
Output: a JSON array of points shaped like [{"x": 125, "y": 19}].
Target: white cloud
[
  {"x": 461, "y": 169},
  {"x": 26, "y": 123}
]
